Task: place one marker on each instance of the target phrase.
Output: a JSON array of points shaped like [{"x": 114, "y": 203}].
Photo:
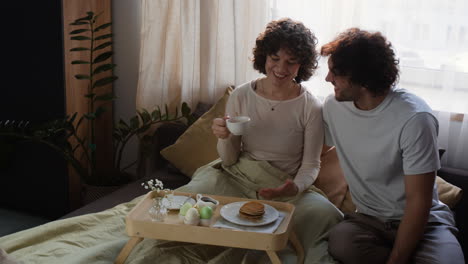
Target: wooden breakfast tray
[{"x": 139, "y": 226}]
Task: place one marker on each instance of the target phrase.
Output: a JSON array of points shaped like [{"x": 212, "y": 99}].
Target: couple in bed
[{"x": 386, "y": 140}]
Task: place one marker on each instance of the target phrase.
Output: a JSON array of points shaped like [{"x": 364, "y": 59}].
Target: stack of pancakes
[{"x": 252, "y": 210}]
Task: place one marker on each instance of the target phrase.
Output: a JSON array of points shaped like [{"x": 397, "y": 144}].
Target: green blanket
[
  {"x": 92, "y": 238},
  {"x": 99, "y": 237}
]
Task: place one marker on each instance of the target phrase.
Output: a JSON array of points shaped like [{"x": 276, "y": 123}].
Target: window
[
  {"x": 462, "y": 36},
  {"x": 430, "y": 41}
]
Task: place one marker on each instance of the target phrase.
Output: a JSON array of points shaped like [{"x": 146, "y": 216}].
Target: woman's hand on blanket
[
  {"x": 7, "y": 259},
  {"x": 219, "y": 127},
  {"x": 289, "y": 188}
]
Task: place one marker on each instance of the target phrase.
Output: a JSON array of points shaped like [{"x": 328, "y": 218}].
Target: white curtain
[
  {"x": 192, "y": 50},
  {"x": 431, "y": 41}
]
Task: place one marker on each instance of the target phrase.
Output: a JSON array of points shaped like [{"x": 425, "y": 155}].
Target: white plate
[
  {"x": 230, "y": 212},
  {"x": 178, "y": 201}
]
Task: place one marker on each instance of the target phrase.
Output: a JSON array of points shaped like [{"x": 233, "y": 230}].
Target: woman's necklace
[{"x": 273, "y": 106}]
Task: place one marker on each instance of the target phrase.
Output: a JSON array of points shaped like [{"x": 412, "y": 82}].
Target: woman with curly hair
[
  {"x": 285, "y": 127},
  {"x": 278, "y": 156},
  {"x": 386, "y": 140}
]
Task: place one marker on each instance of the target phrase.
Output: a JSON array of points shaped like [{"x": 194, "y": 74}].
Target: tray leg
[
  {"x": 297, "y": 245},
  {"x": 131, "y": 243},
  {"x": 273, "y": 257}
]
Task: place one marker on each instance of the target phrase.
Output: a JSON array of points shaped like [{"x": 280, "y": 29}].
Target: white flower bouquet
[
  {"x": 156, "y": 185},
  {"x": 158, "y": 211}
]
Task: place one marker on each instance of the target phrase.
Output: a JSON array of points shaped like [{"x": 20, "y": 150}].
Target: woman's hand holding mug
[{"x": 219, "y": 127}]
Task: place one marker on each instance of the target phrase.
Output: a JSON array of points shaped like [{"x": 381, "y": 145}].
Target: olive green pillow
[{"x": 197, "y": 145}]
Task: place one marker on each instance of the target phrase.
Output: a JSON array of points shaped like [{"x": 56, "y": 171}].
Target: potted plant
[
  {"x": 94, "y": 47},
  {"x": 99, "y": 62}
]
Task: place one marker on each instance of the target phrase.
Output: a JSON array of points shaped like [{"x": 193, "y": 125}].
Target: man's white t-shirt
[{"x": 379, "y": 147}]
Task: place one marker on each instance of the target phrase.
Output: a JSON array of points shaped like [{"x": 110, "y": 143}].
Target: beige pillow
[
  {"x": 348, "y": 206},
  {"x": 448, "y": 194},
  {"x": 197, "y": 146},
  {"x": 331, "y": 179},
  {"x": 332, "y": 182}
]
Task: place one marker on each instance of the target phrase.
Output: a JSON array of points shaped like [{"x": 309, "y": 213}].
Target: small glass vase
[{"x": 158, "y": 210}]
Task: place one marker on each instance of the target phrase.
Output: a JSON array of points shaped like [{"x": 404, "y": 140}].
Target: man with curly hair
[{"x": 386, "y": 140}]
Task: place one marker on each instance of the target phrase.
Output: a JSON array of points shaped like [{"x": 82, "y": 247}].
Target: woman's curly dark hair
[
  {"x": 292, "y": 36},
  {"x": 367, "y": 58}
]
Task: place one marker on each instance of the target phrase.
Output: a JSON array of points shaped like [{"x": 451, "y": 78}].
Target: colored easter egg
[{"x": 206, "y": 212}]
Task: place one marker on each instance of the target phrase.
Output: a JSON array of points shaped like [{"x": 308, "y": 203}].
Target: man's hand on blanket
[{"x": 289, "y": 188}]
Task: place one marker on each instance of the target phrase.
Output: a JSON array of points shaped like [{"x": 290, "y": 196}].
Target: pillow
[
  {"x": 448, "y": 194},
  {"x": 197, "y": 145},
  {"x": 331, "y": 179},
  {"x": 332, "y": 182},
  {"x": 348, "y": 206}
]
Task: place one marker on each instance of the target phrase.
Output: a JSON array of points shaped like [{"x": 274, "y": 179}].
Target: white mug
[{"x": 238, "y": 125}]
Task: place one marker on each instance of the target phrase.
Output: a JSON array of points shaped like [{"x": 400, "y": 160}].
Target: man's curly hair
[
  {"x": 367, "y": 58},
  {"x": 292, "y": 36}
]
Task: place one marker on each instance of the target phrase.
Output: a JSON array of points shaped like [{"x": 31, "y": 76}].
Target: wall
[
  {"x": 76, "y": 90},
  {"x": 33, "y": 177}
]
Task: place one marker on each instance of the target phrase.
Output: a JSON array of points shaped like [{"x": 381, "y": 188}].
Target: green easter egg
[
  {"x": 183, "y": 210},
  {"x": 206, "y": 212}
]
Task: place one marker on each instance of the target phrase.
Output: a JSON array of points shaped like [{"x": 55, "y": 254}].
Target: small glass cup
[{"x": 158, "y": 211}]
